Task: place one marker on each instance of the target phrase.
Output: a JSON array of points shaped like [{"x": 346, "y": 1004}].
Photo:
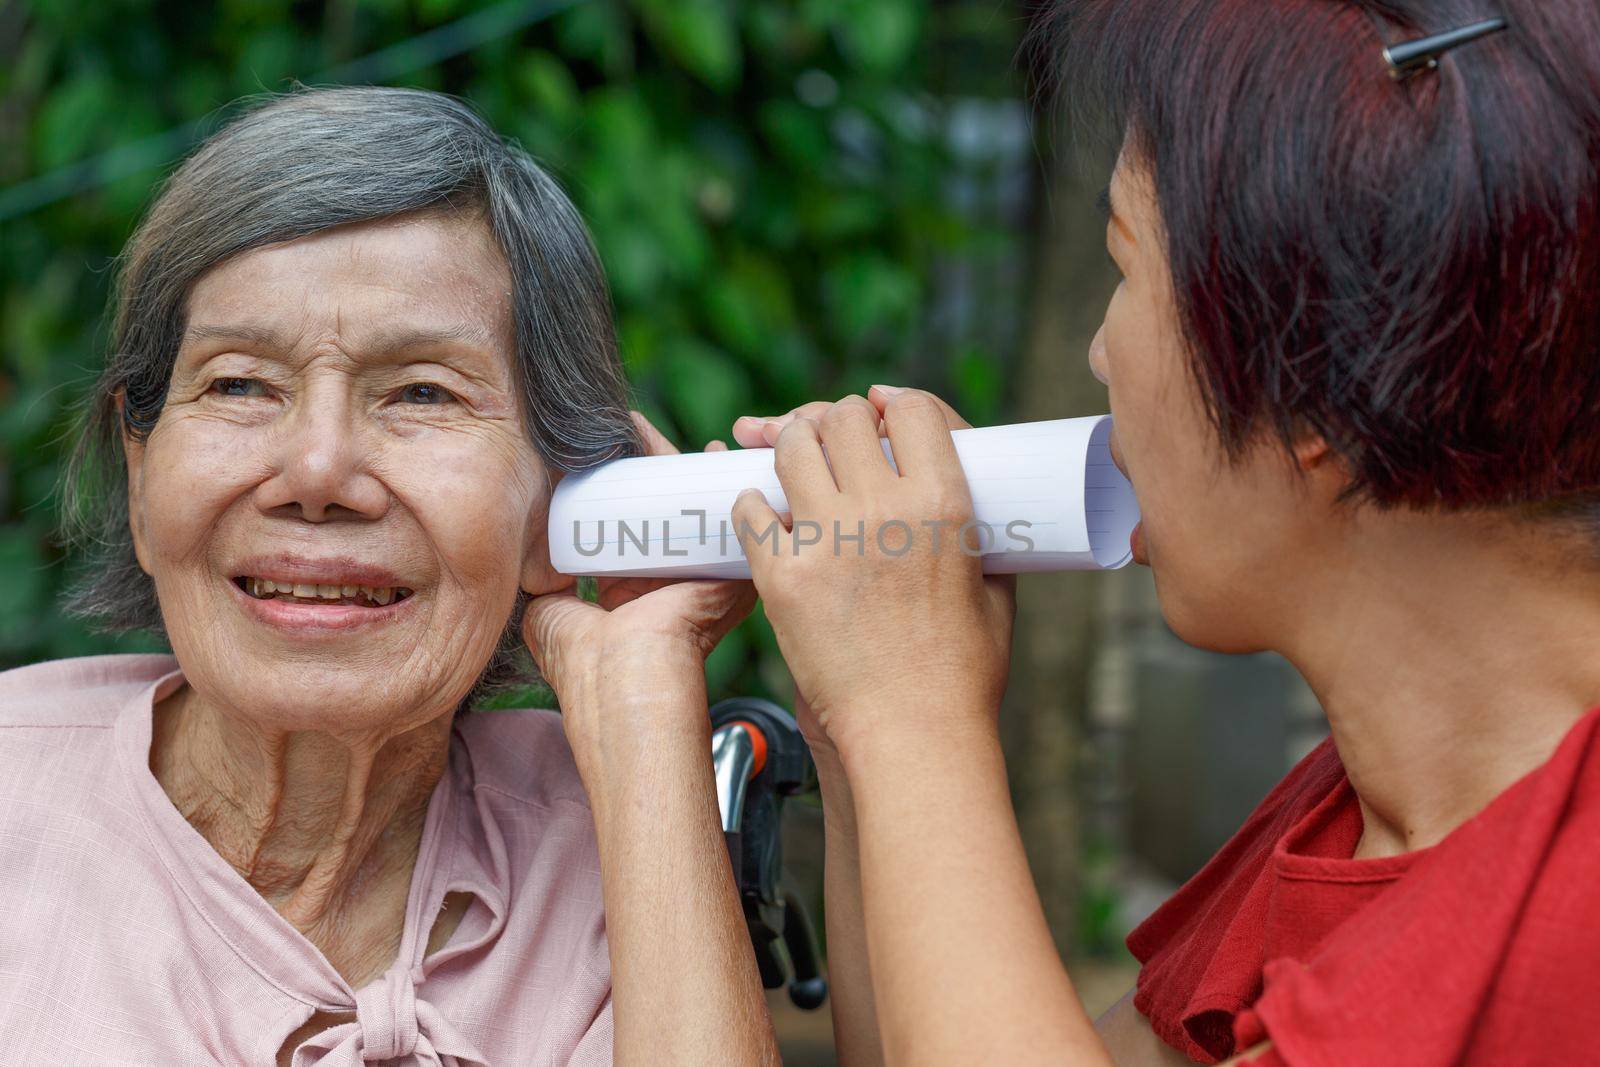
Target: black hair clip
[{"x": 1414, "y": 57}]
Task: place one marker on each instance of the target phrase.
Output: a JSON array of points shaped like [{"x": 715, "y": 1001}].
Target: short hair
[
  {"x": 295, "y": 164},
  {"x": 1410, "y": 269}
]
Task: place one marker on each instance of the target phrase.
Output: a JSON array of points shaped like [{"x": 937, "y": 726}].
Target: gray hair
[{"x": 292, "y": 165}]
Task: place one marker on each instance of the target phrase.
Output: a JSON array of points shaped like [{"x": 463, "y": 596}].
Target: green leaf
[
  {"x": 868, "y": 293},
  {"x": 726, "y": 662},
  {"x": 979, "y": 385},
  {"x": 23, "y": 593},
  {"x": 880, "y": 35},
  {"x": 73, "y": 120},
  {"x": 795, "y": 132},
  {"x": 548, "y": 85},
  {"x": 748, "y": 302},
  {"x": 699, "y": 34},
  {"x": 598, "y": 31},
  {"x": 705, "y": 390}
]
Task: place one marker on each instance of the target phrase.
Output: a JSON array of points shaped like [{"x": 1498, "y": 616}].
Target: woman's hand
[
  {"x": 899, "y": 629},
  {"x": 900, "y": 645},
  {"x": 617, "y": 665}
]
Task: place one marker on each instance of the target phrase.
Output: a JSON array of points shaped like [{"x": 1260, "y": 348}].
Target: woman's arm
[
  {"x": 903, "y": 656},
  {"x": 685, "y": 989},
  {"x": 1129, "y": 1039},
  {"x": 855, "y": 1019},
  {"x": 967, "y": 970}
]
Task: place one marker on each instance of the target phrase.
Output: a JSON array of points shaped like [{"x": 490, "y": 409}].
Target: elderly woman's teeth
[{"x": 379, "y": 596}]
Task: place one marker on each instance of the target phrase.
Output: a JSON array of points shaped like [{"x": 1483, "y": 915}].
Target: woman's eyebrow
[
  {"x": 262, "y": 336},
  {"x": 399, "y": 338},
  {"x": 386, "y": 339},
  {"x": 1103, "y": 203}
]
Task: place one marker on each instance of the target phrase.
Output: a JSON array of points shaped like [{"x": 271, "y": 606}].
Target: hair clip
[{"x": 1414, "y": 57}]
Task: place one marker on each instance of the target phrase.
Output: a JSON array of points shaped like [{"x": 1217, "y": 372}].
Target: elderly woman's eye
[
  {"x": 425, "y": 393},
  {"x": 239, "y": 387}
]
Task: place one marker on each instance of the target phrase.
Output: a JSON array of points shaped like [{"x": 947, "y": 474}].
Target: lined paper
[{"x": 1046, "y": 497}]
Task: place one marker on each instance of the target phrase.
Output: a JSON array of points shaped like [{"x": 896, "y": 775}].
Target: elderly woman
[
  {"x": 356, "y": 337},
  {"x": 1354, "y": 359}
]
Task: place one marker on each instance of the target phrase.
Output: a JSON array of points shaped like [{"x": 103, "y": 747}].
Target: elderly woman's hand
[
  {"x": 631, "y": 667},
  {"x": 630, "y": 674}
]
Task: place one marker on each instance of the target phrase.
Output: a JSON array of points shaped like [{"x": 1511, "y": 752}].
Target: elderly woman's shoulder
[
  {"x": 82, "y": 691},
  {"x": 523, "y": 753}
]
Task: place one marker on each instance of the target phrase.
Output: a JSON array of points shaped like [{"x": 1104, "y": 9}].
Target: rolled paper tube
[{"x": 1045, "y": 495}]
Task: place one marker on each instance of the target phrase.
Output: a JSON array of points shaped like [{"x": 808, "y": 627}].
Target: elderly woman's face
[{"x": 343, "y": 422}]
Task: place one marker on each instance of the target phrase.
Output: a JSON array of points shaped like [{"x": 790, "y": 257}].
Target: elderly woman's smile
[
  {"x": 332, "y": 592},
  {"x": 341, "y": 480}
]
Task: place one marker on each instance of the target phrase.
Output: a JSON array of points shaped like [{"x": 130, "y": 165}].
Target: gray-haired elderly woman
[{"x": 356, "y": 337}]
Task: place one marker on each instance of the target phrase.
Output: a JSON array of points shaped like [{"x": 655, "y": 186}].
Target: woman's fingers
[
  {"x": 550, "y": 624},
  {"x": 724, "y": 604},
  {"x": 919, "y": 433},
  {"x": 853, "y": 448},
  {"x": 656, "y": 443},
  {"x": 612, "y": 593},
  {"x": 760, "y": 532},
  {"x": 880, "y": 395},
  {"x": 754, "y": 432},
  {"x": 801, "y": 468}
]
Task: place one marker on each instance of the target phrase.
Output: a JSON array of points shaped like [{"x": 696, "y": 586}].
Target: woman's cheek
[
  {"x": 191, "y": 477},
  {"x": 471, "y": 499}
]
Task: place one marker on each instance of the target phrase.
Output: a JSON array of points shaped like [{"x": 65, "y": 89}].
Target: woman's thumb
[{"x": 550, "y": 624}]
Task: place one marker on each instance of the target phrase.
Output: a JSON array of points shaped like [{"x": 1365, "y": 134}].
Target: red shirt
[{"x": 1483, "y": 949}]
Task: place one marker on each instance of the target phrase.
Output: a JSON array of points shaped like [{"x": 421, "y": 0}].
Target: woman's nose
[
  {"x": 323, "y": 460},
  {"x": 1097, "y": 356}
]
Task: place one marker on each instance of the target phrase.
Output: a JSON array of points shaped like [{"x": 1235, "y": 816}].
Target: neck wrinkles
[{"x": 324, "y": 827}]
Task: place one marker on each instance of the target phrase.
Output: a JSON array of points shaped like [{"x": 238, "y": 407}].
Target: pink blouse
[{"x": 125, "y": 938}]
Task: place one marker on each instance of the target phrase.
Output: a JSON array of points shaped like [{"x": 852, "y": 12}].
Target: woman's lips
[
  {"x": 304, "y": 618},
  {"x": 1136, "y": 545}
]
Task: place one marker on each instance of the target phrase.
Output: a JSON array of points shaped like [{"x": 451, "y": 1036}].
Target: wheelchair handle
[
  {"x": 760, "y": 760},
  {"x": 738, "y": 754}
]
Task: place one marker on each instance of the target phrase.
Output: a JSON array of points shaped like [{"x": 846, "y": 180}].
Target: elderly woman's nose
[{"x": 324, "y": 461}]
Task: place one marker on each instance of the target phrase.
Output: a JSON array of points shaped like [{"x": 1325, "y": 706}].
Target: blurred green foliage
[{"x": 771, "y": 183}]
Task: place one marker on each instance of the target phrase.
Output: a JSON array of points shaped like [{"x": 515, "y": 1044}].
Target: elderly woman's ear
[
  {"x": 539, "y": 576},
  {"x": 133, "y": 449}
]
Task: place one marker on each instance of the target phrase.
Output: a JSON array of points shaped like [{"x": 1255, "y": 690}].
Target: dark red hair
[{"x": 1409, "y": 269}]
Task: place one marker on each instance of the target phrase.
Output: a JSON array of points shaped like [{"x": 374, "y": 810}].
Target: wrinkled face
[
  {"x": 343, "y": 422},
  {"x": 1224, "y": 540}
]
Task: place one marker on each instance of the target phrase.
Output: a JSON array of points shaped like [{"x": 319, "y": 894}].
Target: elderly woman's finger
[
  {"x": 656, "y": 443},
  {"x": 615, "y": 592},
  {"x": 722, "y": 605},
  {"x": 550, "y": 623},
  {"x": 717, "y": 446}
]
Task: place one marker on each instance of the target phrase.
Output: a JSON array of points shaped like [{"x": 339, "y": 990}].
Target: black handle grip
[{"x": 780, "y": 931}]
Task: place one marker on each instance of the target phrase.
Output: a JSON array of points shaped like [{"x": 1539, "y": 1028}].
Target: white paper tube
[{"x": 1045, "y": 495}]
